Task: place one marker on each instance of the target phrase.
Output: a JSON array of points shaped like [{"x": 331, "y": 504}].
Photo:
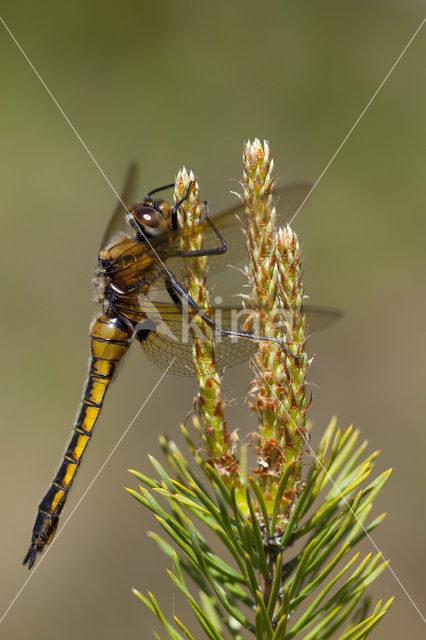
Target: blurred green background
[{"x": 169, "y": 84}]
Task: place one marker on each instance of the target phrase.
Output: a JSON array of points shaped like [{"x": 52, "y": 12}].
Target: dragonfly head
[{"x": 150, "y": 218}]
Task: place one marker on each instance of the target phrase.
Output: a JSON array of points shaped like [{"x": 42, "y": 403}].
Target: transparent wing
[
  {"x": 167, "y": 339},
  {"x": 230, "y": 224},
  {"x": 320, "y": 318},
  {"x": 167, "y": 335},
  {"x": 118, "y": 222}
]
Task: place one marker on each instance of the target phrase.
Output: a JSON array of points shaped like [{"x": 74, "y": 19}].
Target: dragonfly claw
[
  {"x": 37, "y": 545},
  {"x": 31, "y": 555},
  {"x": 289, "y": 353}
]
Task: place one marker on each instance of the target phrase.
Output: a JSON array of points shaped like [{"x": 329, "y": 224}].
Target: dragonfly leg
[
  {"x": 196, "y": 253},
  {"x": 215, "y": 251},
  {"x": 166, "y": 186},
  {"x": 109, "y": 341},
  {"x": 180, "y": 296},
  {"x": 182, "y": 200},
  {"x": 169, "y": 186},
  {"x": 178, "y": 203}
]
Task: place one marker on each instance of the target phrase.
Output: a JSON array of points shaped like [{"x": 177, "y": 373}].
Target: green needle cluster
[{"x": 263, "y": 583}]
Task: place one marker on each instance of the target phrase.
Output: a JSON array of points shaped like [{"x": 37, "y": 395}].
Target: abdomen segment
[{"x": 109, "y": 340}]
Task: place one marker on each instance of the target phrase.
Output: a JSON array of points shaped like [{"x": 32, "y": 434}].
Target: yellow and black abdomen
[{"x": 109, "y": 341}]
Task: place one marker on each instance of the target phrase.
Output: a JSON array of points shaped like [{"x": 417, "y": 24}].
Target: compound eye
[{"x": 147, "y": 217}]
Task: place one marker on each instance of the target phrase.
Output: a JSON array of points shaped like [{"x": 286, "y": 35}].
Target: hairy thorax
[{"x": 125, "y": 271}]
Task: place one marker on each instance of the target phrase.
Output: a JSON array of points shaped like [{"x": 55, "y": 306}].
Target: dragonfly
[{"x": 139, "y": 262}]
